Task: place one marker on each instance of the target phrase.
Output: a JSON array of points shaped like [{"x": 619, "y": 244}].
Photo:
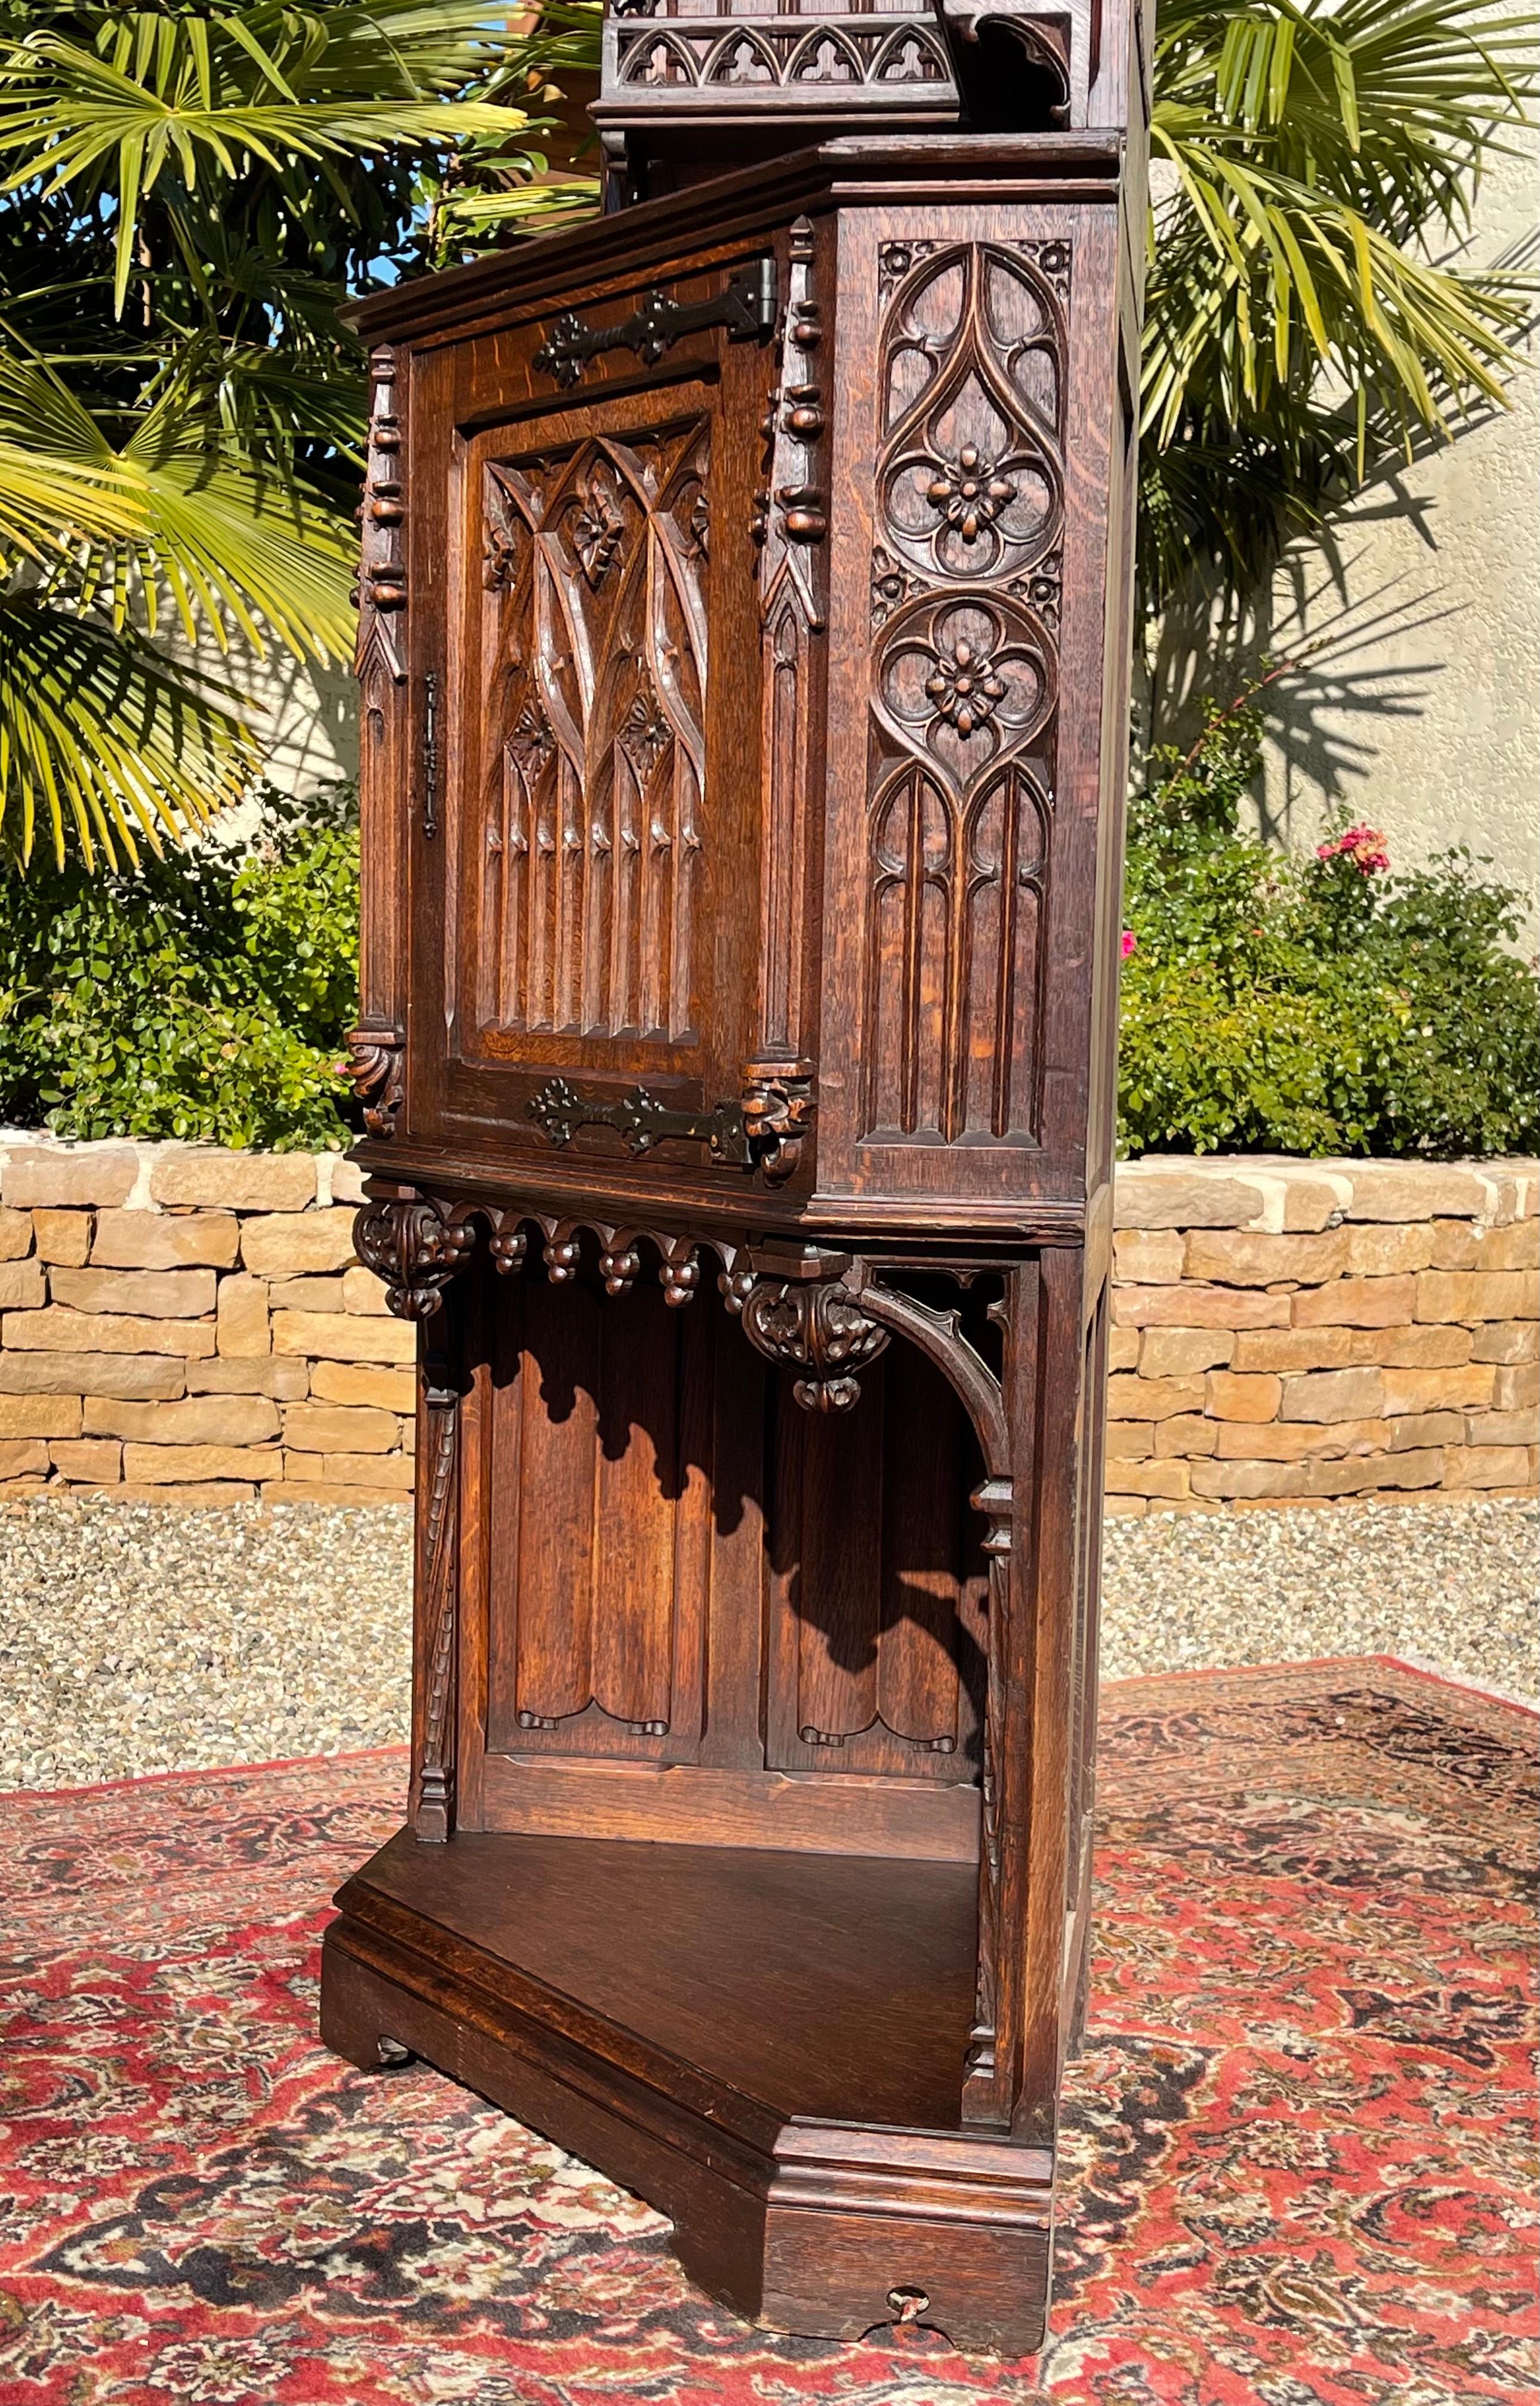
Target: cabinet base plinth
[{"x": 817, "y": 2223}]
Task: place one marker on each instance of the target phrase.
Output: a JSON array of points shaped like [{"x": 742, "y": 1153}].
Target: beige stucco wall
[{"x": 1421, "y": 713}]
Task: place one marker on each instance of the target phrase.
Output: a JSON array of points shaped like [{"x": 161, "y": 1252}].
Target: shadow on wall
[{"x": 1329, "y": 709}]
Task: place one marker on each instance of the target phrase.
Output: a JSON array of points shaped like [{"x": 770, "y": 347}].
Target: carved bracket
[
  {"x": 409, "y": 1243},
  {"x": 745, "y": 306},
  {"x": 376, "y": 1069},
  {"x": 814, "y": 1326}
]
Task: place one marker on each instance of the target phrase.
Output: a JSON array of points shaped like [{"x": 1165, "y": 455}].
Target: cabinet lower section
[
  {"x": 748, "y": 1847},
  {"x": 763, "y": 2045}
]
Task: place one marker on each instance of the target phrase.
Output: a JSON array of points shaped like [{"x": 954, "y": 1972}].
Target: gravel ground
[
  {"x": 1451, "y": 1586},
  {"x": 135, "y": 1638}
]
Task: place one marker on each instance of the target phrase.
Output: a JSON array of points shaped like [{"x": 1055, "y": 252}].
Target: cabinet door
[{"x": 581, "y": 912}]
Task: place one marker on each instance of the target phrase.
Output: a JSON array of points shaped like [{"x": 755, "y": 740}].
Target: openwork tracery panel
[
  {"x": 594, "y": 676},
  {"x": 964, "y": 609}
]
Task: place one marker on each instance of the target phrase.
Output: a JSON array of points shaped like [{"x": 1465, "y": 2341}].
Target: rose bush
[{"x": 1318, "y": 1005}]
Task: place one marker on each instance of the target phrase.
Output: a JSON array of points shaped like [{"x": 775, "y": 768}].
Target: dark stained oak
[
  {"x": 744, "y": 659},
  {"x": 869, "y": 1962}
]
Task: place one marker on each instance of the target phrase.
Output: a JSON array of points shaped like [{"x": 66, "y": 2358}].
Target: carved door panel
[{"x": 581, "y": 856}]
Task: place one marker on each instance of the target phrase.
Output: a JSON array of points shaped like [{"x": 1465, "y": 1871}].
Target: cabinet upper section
[{"x": 743, "y": 651}]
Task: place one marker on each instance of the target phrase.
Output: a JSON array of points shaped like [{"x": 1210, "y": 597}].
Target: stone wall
[
  {"x": 1285, "y": 1331},
  {"x": 183, "y": 1323}
]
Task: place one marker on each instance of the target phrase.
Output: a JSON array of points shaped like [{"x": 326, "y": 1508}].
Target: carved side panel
[
  {"x": 376, "y": 1046},
  {"x": 590, "y": 857},
  {"x": 878, "y": 1580},
  {"x": 600, "y": 1564},
  {"x": 811, "y": 53},
  {"x": 965, "y": 611}
]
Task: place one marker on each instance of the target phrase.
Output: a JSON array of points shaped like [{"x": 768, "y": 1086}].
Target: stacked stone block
[
  {"x": 1288, "y": 1332},
  {"x": 182, "y": 1323},
  {"x": 191, "y": 1325}
]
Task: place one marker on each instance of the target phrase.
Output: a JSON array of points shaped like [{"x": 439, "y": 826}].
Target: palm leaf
[{"x": 102, "y": 743}]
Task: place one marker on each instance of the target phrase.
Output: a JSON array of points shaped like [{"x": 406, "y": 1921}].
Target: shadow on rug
[{"x": 1299, "y": 2142}]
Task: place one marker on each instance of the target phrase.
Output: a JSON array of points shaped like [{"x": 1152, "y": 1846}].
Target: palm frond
[
  {"x": 193, "y": 99},
  {"x": 1299, "y": 318},
  {"x": 101, "y": 742},
  {"x": 168, "y": 517}
]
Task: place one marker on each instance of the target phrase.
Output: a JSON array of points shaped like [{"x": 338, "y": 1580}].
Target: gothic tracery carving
[
  {"x": 593, "y": 674},
  {"x": 964, "y": 597}
]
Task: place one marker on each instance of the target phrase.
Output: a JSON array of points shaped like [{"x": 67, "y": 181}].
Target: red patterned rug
[{"x": 1301, "y": 2140}]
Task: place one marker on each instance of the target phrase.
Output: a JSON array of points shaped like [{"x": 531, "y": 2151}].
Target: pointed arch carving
[
  {"x": 965, "y": 687},
  {"x": 590, "y": 855}
]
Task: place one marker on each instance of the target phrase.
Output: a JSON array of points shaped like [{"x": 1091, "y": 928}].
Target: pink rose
[
  {"x": 1364, "y": 846},
  {"x": 1130, "y": 944}
]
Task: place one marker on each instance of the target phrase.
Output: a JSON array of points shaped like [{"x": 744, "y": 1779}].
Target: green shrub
[
  {"x": 1319, "y": 1005},
  {"x": 205, "y": 995}
]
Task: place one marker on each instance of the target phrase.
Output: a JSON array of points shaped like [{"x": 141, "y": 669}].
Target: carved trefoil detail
[
  {"x": 590, "y": 861},
  {"x": 969, "y": 494}
]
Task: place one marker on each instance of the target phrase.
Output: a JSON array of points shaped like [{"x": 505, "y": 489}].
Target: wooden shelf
[{"x": 869, "y": 1962}]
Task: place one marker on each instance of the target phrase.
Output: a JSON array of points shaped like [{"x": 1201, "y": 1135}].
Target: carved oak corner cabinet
[{"x": 743, "y": 653}]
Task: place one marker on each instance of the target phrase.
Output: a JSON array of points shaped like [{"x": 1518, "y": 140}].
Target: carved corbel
[
  {"x": 814, "y": 1325},
  {"x": 414, "y": 1248},
  {"x": 376, "y": 1069},
  {"x": 778, "y": 1104}
]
